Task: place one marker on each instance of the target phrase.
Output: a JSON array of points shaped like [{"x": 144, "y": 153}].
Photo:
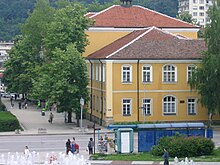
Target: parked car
[{"x": 5, "y": 95}]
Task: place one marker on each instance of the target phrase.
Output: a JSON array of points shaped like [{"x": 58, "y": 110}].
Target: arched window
[
  {"x": 169, "y": 105},
  {"x": 169, "y": 73}
]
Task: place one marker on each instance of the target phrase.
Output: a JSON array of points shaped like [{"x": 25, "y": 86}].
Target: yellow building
[
  {"x": 120, "y": 20},
  {"x": 143, "y": 76},
  {"x": 139, "y": 62}
]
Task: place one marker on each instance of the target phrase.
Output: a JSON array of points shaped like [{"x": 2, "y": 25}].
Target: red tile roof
[
  {"x": 136, "y": 17},
  {"x": 151, "y": 43}
]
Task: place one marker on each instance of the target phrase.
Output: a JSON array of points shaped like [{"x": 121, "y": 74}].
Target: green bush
[
  {"x": 8, "y": 122},
  {"x": 2, "y": 107},
  {"x": 182, "y": 146}
]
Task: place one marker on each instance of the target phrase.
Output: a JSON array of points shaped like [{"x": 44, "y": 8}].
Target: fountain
[
  {"x": 49, "y": 159},
  {"x": 186, "y": 162}
]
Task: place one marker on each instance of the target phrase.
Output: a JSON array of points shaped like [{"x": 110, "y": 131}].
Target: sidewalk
[{"x": 31, "y": 120}]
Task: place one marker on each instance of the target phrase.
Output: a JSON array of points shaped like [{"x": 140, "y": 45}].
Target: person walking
[
  {"x": 73, "y": 146},
  {"x": 90, "y": 146},
  {"x": 68, "y": 146},
  {"x": 166, "y": 157},
  {"x": 26, "y": 153},
  {"x": 51, "y": 118}
]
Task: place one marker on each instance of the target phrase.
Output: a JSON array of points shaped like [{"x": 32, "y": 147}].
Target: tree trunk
[
  {"x": 210, "y": 120},
  {"x": 69, "y": 117},
  {"x": 77, "y": 120}
]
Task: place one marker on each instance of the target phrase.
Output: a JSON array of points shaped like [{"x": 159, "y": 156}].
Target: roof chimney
[{"x": 126, "y": 3}]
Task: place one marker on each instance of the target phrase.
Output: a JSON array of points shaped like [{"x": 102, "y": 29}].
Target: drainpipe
[
  {"x": 101, "y": 92},
  {"x": 138, "y": 93},
  {"x": 91, "y": 98}
]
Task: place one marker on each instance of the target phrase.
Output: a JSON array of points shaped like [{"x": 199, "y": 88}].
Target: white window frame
[
  {"x": 169, "y": 73},
  {"x": 190, "y": 71},
  {"x": 126, "y": 72},
  {"x": 169, "y": 106},
  {"x": 100, "y": 72},
  {"x": 103, "y": 73},
  {"x": 97, "y": 72},
  {"x": 145, "y": 73},
  {"x": 127, "y": 105},
  {"x": 146, "y": 106},
  {"x": 191, "y": 106}
]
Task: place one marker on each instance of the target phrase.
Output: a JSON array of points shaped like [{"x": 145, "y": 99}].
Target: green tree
[
  {"x": 185, "y": 16},
  {"x": 206, "y": 78},
  {"x": 68, "y": 27},
  {"x": 63, "y": 79},
  {"x": 19, "y": 68}
]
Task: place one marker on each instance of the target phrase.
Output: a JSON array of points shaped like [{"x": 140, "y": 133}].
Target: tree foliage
[
  {"x": 206, "y": 78},
  {"x": 186, "y": 17},
  {"x": 15, "y": 12},
  {"x": 46, "y": 61}
]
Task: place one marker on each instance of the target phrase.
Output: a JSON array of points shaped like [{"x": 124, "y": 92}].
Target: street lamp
[{"x": 82, "y": 104}]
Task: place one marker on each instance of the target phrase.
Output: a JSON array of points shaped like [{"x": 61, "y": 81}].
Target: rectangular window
[
  {"x": 190, "y": 70},
  {"x": 146, "y": 107},
  {"x": 100, "y": 72},
  {"x": 97, "y": 72},
  {"x": 103, "y": 73},
  {"x": 201, "y": 8},
  {"x": 201, "y": 1},
  {"x": 191, "y": 106},
  {"x": 126, "y": 107},
  {"x": 146, "y": 74},
  {"x": 194, "y": 1},
  {"x": 126, "y": 74},
  {"x": 194, "y": 13},
  {"x": 201, "y": 14}
]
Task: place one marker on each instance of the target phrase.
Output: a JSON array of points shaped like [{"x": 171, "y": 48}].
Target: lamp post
[{"x": 82, "y": 104}]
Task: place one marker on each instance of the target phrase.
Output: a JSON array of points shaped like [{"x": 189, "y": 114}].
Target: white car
[{"x": 5, "y": 95}]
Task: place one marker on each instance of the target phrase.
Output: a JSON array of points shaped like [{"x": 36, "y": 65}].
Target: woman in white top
[{"x": 26, "y": 152}]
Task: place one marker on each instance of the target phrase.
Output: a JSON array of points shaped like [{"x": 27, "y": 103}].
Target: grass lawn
[{"x": 146, "y": 156}]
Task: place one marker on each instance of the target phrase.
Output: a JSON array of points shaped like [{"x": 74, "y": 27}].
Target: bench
[{"x": 42, "y": 130}]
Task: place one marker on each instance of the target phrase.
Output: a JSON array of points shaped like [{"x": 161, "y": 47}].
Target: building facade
[
  {"x": 197, "y": 8},
  {"x": 143, "y": 76}
]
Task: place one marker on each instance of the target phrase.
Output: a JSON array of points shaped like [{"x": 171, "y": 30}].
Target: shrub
[
  {"x": 182, "y": 146},
  {"x": 2, "y": 107},
  {"x": 8, "y": 122}
]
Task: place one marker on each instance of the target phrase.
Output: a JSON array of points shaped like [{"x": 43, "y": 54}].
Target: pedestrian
[
  {"x": 51, "y": 118},
  {"x": 26, "y": 152},
  {"x": 73, "y": 146},
  {"x": 76, "y": 148},
  {"x": 90, "y": 146},
  {"x": 12, "y": 105},
  {"x": 19, "y": 104},
  {"x": 68, "y": 146},
  {"x": 166, "y": 157}
]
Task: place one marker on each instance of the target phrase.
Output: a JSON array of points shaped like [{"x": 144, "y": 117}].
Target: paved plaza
[{"x": 34, "y": 123}]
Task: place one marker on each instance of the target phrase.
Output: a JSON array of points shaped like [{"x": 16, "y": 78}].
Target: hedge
[
  {"x": 183, "y": 146},
  {"x": 8, "y": 122},
  {"x": 2, "y": 107}
]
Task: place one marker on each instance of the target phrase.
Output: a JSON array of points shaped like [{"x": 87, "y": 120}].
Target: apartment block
[{"x": 197, "y": 8}]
